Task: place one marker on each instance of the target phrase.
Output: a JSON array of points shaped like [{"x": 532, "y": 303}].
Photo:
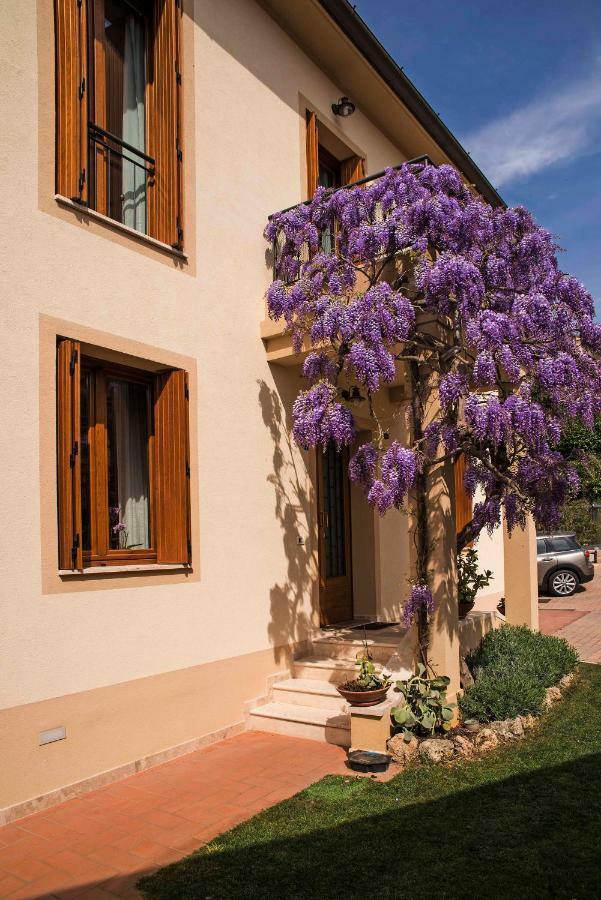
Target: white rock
[
  {"x": 552, "y": 695},
  {"x": 463, "y": 746},
  {"x": 486, "y": 740},
  {"x": 436, "y": 750},
  {"x": 517, "y": 726},
  {"x": 403, "y": 752}
]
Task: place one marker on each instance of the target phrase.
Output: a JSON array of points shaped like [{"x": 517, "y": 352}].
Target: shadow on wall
[
  {"x": 442, "y": 565},
  {"x": 290, "y": 600}
]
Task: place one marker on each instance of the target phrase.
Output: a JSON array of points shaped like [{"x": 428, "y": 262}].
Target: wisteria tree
[{"x": 413, "y": 272}]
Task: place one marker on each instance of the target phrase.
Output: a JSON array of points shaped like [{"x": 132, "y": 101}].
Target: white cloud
[{"x": 546, "y": 131}]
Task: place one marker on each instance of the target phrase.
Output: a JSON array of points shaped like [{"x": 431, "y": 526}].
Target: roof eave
[{"x": 364, "y": 40}]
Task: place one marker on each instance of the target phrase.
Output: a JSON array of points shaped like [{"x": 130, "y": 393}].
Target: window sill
[
  {"x": 119, "y": 226},
  {"x": 120, "y": 570}
]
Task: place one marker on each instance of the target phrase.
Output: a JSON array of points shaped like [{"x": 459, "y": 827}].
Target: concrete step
[
  {"x": 342, "y": 648},
  {"x": 309, "y": 692},
  {"x": 309, "y": 722},
  {"x": 325, "y": 668}
]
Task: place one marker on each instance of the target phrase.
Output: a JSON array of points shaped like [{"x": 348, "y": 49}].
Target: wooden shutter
[
  {"x": 172, "y": 518},
  {"x": 352, "y": 169},
  {"x": 312, "y": 154},
  {"x": 71, "y": 99},
  {"x": 164, "y": 137},
  {"x": 463, "y": 501},
  {"x": 68, "y": 455}
]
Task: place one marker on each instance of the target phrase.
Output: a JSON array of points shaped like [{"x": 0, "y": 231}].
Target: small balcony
[{"x": 278, "y": 344}]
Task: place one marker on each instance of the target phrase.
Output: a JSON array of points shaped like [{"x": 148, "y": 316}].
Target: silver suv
[{"x": 562, "y": 564}]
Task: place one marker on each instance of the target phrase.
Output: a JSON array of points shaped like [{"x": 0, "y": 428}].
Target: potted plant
[
  {"x": 368, "y": 688},
  {"x": 469, "y": 580}
]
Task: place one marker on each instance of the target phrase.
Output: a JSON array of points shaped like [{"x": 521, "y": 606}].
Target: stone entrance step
[
  {"x": 324, "y": 668},
  {"x": 309, "y": 722},
  {"x": 309, "y": 692},
  {"x": 350, "y": 648}
]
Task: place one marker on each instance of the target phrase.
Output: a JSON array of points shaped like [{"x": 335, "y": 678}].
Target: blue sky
[{"x": 519, "y": 83}]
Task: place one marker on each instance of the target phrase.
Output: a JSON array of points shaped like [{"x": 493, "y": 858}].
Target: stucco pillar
[
  {"x": 521, "y": 581},
  {"x": 444, "y": 629},
  {"x": 391, "y": 539}
]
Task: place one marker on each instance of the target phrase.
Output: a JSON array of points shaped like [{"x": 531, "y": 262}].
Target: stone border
[{"x": 464, "y": 743}]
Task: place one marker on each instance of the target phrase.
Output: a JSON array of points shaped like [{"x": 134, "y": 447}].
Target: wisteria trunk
[{"x": 421, "y": 536}]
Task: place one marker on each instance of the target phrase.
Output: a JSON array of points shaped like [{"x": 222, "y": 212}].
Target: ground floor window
[{"x": 123, "y": 465}]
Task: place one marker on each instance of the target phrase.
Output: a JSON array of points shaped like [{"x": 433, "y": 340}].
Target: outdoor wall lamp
[{"x": 344, "y": 107}]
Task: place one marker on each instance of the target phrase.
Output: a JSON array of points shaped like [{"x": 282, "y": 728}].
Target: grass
[{"x": 522, "y": 821}]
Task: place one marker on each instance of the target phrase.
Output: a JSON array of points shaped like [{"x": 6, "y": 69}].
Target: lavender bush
[{"x": 499, "y": 346}]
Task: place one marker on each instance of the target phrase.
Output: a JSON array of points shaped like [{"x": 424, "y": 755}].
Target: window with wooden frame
[
  {"x": 118, "y": 111},
  {"x": 324, "y": 169},
  {"x": 123, "y": 463}
]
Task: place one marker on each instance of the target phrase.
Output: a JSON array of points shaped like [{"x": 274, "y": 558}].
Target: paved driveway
[{"x": 576, "y": 618}]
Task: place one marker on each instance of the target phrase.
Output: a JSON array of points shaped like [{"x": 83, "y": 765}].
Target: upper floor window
[
  {"x": 325, "y": 168},
  {"x": 118, "y": 84}
]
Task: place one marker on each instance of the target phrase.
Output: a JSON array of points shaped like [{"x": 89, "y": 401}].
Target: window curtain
[
  {"x": 134, "y": 84},
  {"x": 130, "y": 416}
]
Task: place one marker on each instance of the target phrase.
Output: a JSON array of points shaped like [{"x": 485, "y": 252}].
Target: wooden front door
[{"x": 335, "y": 572}]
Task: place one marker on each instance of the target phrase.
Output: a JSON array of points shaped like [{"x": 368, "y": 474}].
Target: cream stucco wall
[
  {"x": 246, "y": 87},
  {"x": 491, "y": 555},
  {"x": 87, "y": 652}
]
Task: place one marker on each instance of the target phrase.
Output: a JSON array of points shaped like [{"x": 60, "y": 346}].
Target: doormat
[{"x": 373, "y": 626}]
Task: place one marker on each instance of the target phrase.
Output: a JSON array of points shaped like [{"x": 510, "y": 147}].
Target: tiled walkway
[
  {"x": 576, "y": 618},
  {"x": 99, "y": 845}
]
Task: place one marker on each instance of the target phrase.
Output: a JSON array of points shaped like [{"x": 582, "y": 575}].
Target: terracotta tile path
[
  {"x": 576, "y": 618},
  {"x": 99, "y": 845}
]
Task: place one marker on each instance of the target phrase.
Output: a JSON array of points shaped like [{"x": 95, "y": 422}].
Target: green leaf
[
  {"x": 399, "y": 714},
  {"x": 429, "y": 720}
]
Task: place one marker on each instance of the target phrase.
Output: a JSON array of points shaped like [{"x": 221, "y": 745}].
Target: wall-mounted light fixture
[{"x": 344, "y": 107}]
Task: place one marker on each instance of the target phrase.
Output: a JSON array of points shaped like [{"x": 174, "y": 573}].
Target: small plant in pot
[
  {"x": 469, "y": 580},
  {"x": 424, "y": 708},
  {"x": 369, "y": 687}
]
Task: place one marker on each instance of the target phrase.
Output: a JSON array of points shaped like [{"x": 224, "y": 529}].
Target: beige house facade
[{"x": 160, "y": 552}]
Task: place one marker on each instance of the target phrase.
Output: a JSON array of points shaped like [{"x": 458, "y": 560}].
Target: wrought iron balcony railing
[
  {"x": 119, "y": 178},
  {"x": 328, "y": 236}
]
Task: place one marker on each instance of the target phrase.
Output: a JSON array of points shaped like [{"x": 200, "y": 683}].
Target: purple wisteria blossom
[
  {"x": 418, "y": 276},
  {"x": 419, "y": 598}
]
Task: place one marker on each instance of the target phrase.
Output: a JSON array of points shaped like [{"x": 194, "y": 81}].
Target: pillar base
[{"x": 371, "y": 726}]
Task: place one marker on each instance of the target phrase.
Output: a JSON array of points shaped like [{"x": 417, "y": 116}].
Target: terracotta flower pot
[{"x": 363, "y": 698}]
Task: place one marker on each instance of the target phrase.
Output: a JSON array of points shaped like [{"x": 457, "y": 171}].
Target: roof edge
[{"x": 365, "y": 41}]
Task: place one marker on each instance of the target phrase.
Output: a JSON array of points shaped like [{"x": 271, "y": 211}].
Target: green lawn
[{"x": 524, "y": 821}]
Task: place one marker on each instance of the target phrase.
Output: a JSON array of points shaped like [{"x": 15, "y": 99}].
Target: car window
[
  {"x": 561, "y": 544},
  {"x": 541, "y": 547}
]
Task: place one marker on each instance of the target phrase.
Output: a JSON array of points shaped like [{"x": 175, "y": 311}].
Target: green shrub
[
  {"x": 512, "y": 668},
  {"x": 502, "y": 695},
  {"x": 544, "y": 657}
]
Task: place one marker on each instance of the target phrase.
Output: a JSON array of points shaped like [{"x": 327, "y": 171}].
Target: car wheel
[{"x": 563, "y": 583}]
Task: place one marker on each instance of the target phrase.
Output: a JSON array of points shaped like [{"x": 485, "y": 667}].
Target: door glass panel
[
  {"x": 541, "y": 547},
  {"x": 329, "y": 178},
  {"x": 85, "y": 460},
  {"x": 128, "y": 429},
  {"x": 334, "y": 508}
]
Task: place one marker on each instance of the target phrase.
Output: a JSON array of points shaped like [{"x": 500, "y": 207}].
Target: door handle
[{"x": 548, "y": 558}]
